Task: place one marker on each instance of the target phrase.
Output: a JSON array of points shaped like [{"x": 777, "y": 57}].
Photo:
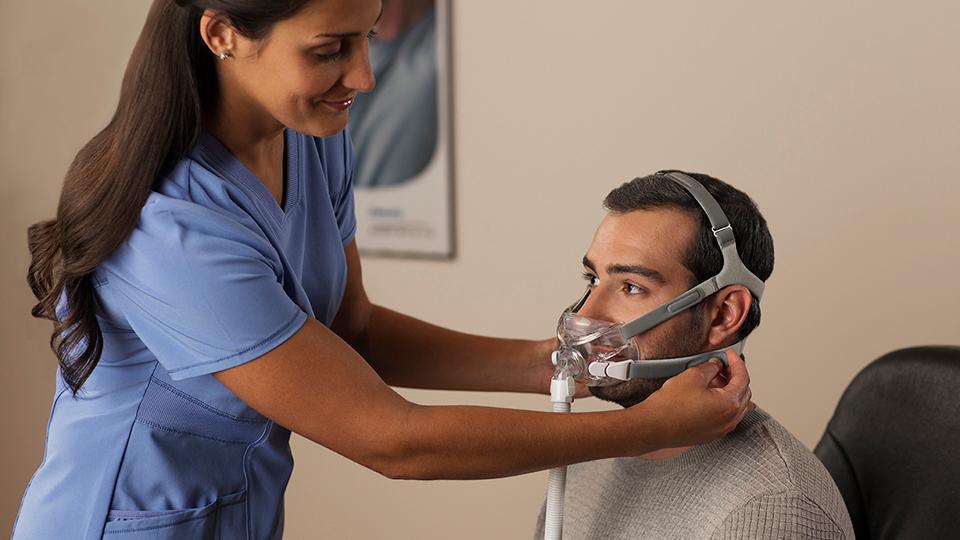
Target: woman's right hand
[{"x": 697, "y": 406}]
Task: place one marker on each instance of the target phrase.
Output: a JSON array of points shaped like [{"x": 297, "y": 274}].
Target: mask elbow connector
[
  {"x": 562, "y": 385},
  {"x": 562, "y": 389}
]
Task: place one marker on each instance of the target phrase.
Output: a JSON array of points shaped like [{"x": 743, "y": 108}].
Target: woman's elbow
[
  {"x": 400, "y": 452},
  {"x": 401, "y": 471},
  {"x": 405, "y": 460}
]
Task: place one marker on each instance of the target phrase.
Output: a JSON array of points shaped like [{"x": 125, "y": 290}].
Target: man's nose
[{"x": 594, "y": 308}]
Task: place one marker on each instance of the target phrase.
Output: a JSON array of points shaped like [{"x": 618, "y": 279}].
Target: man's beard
[{"x": 682, "y": 341}]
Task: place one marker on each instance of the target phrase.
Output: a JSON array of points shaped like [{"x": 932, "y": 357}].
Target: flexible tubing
[{"x": 553, "y": 520}]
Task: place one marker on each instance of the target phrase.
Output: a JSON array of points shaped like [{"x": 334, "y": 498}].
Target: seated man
[{"x": 757, "y": 482}]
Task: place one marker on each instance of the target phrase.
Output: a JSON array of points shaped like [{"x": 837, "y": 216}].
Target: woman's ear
[
  {"x": 220, "y": 37},
  {"x": 728, "y": 312}
]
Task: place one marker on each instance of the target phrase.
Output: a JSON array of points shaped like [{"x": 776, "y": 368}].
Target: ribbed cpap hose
[{"x": 562, "y": 388}]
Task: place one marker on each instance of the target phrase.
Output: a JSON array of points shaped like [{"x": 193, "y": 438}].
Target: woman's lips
[{"x": 338, "y": 105}]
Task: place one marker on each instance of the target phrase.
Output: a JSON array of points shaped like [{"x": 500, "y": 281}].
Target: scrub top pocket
[
  {"x": 226, "y": 514},
  {"x": 186, "y": 468}
]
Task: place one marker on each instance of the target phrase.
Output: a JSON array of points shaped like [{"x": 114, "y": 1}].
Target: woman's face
[{"x": 306, "y": 71}]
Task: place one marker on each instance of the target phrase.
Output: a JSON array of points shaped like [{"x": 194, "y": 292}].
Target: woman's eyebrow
[{"x": 341, "y": 35}]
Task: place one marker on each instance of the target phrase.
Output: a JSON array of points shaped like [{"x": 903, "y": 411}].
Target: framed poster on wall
[{"x": 402, "y": 136}]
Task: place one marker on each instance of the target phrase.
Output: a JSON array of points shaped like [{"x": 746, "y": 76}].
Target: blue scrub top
[{"x": 215, "y": 274}]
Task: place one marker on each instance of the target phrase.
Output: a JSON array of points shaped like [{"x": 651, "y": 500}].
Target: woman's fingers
[
  {"x": 734, "y": 383},
  {"x": 738, "y": 374},
  {"x": 707, "y": 371},
  {"x": 720, "y": 380},
  {"x": 738, "y": 380},
  {"x": 701, "y": 404}
]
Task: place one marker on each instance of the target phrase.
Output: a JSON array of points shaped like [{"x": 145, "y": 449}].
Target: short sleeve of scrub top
[
  {"x": 215, "y": 274},
  {"x": 203, "y": 284},
  {"x": 203, "y": 290}
]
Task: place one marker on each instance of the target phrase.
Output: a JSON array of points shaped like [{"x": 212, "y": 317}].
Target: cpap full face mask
[{"x": 601, "y": 353}]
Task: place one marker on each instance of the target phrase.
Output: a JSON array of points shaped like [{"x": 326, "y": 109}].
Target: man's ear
[
  {"x": 728, "y": 311},
  {"x": 217, "y": 33}
]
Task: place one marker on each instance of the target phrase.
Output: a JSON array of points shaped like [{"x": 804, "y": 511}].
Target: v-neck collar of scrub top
[{"x": 233, "y": 170}]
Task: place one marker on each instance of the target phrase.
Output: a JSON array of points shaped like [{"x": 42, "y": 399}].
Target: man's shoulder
[
  {"x": 761, "y": 452},
  {"x": 778, "y": 475},
  {"x": 791, "y": 513}
]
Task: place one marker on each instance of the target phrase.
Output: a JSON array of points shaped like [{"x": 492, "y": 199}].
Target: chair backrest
[{"x": 893, "y": 446}]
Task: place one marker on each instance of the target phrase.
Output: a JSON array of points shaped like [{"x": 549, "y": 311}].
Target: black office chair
[{"x": 893, "y": 446}]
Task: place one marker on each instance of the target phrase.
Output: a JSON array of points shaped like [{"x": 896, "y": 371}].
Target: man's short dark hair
[{"x": 703, "y": 257}]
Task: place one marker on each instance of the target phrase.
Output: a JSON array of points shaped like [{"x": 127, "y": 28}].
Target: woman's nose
[{"x": 359, "y": 74}]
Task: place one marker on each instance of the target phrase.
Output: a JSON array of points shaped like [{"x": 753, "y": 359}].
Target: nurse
[{"x": 207, "y": 300}]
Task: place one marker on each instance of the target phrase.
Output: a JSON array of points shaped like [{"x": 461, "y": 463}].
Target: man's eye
[
  {"x": 592, "y": 280},
  {"x": 630, "y": 288}
]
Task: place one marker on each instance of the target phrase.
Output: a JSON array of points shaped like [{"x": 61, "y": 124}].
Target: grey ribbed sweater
[{"x": 758, "y": 482}]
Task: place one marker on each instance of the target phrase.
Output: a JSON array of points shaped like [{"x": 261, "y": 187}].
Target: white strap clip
[{"x": 614, "y": 370}]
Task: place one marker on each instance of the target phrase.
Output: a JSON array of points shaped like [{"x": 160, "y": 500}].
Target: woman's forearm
[
  {"x": 405, "y": 351},
  {"x": 409, "y": 352},
  {"x": 460, "y": 442},
  {"x": 480, "y": 442}
]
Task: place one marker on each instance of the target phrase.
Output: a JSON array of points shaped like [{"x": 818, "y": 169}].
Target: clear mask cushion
[{"x": 584, "y": 341}]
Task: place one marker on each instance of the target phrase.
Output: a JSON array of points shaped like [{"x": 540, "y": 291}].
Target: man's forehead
[{"x": 649, "y": 237}]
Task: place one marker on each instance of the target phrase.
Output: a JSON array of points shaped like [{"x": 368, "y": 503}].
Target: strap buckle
[{"x": 724, "y": 235}]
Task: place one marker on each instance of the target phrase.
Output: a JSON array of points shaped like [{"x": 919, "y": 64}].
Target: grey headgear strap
[
  {"x": 660, "y": 368},
  {"x": 733, "y": 272}
]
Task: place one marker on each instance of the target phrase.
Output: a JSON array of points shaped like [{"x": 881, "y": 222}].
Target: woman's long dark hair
[{"x": 169, "y": 83}]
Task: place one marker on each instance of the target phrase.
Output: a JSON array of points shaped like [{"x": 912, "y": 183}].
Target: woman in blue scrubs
[{"x": 207, "y": 299}]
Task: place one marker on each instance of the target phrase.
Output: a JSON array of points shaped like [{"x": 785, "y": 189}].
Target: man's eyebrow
[
  {"x": 341, "y": 35},
  {"x": 639, "y": 270},
  {"x": 589, "y": 264}
]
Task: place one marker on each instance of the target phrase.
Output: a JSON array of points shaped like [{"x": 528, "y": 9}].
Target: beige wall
[{"x": 840, "y": 118}]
